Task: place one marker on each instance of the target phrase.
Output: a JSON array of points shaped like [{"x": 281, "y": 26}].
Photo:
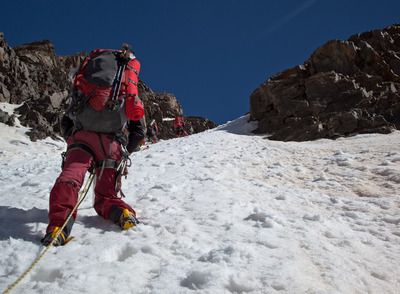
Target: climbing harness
[{"x": 82, "y": 196}]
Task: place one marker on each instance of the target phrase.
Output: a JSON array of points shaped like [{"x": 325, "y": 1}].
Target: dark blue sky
[{"x": 210, "y": 54}]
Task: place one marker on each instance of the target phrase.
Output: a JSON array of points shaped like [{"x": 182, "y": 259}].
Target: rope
[{"x": 82, "y": 196}]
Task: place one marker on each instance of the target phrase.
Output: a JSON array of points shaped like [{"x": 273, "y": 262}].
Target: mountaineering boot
[
  {"x": 48, "y": 238},
  {"x": 127, "y": 220}
]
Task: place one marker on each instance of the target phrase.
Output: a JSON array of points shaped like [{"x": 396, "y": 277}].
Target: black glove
[
  {"x": 66, "y": 127},
  {"x": 137, "y": 133}
]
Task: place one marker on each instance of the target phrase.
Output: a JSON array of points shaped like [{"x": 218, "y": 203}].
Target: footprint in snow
[{"x": 260, "y": 219}]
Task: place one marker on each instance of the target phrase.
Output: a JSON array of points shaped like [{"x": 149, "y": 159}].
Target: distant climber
[
  {"x": 152, "y": 131},
  {"x": 179, "y": 125}
]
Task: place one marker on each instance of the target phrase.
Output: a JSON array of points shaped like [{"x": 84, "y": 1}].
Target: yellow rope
[{"x": 82, "y": 196}]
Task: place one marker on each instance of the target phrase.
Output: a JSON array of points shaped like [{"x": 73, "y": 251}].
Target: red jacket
[{"x": 178, "y": 122}]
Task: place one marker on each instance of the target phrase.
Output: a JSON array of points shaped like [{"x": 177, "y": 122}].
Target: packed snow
[{"x": 223, "y": 211}]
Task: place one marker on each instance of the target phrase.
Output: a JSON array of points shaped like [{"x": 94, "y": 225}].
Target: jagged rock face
[
  {"x": 164, "y": 108},
  {"x": 34, "y": 76},
  {"x": 344, "y": 88}
]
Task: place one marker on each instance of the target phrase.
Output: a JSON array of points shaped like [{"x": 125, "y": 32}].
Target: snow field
[{"x": 225, "y": 211}]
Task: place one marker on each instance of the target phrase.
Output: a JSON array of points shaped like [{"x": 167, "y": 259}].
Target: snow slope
[{"x": 225, "y": 211}]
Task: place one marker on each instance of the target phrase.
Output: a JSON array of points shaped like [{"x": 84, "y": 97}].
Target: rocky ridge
[
  {"x": 345, "y": 88},
  {"x": 34, "y": 76}
]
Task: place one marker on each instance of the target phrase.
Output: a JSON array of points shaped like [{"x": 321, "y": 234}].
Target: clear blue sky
[{"x": 210, "y": 54}]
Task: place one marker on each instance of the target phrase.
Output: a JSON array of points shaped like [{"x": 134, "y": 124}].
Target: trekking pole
[
  {"x": 82, "y": 196},
  {"x": 125, "y": 57}
]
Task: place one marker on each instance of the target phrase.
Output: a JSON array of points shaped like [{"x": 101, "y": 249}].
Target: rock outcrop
[
  {"x": 164, "y": 108},
  {"x": 345, "y": 88},
  {"x": 34, "y": 76}
]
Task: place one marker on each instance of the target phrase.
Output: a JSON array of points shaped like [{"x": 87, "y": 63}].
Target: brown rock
[
  {"x": 344, "y": 88},
  {"x": 34, "y": 76}
]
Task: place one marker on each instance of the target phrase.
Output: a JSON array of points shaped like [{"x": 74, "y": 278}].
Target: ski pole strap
[{"x": 83, "y": 147}]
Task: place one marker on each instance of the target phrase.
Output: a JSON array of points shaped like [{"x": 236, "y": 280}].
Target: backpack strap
[{"x": 107, "y": 156}]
